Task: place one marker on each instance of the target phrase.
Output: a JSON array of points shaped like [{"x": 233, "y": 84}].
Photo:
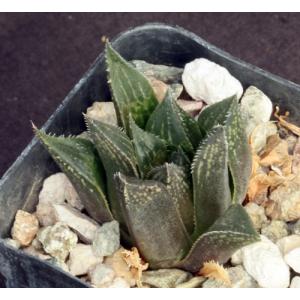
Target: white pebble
[
  {"x": 256, "y": 107},
  {"x": 264, "y": 262},
  {"x": 295, "y": 283},
  {"x": 210, "y": 82},
  {"x": 292, "y": 258}
]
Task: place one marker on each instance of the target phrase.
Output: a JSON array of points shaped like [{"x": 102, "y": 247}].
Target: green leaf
[
  {"x": 215, "y": 114},
  {"x": 153, "y": 221},
  {"x": 131, "y": 91},
  {"x": 178, "y": 157},
  {"x": 167, "y": 122},
  {"x": 228, "y": 114},
  {"x": 228, "y": 234},
  {"x": 117, "y": 155},
  {"x": 239, "y": 153},
  {"x": 150, "y": 150},
  {"x": 179, "y": 188},
  {"x": 78, "y": 159},
  {"x": 210, "y": 180}
]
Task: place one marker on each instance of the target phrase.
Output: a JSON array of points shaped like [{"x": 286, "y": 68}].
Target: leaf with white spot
[
  {"x": 117, "y": 155},
  {"x": 150, "y": 150},
  {"x": 78, "y": 159},
  {"x": 131, "y": 91},
  {"x": 229, "y": 233},
  {"x": 179, "y": 188},
  {"x": 210, "y": 180},
  {"x": 227, "y": 113},
  {"x": 153, "y": 221}
]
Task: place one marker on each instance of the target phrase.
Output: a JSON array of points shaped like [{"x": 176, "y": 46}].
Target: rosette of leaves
[{"x": 174, "y": 184}]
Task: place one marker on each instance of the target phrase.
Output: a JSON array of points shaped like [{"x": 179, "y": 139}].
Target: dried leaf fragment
[
  {"x": 214, "y": 270},
  {"x": 284, "y": 123},
  {"x": 135, "y": 263}
]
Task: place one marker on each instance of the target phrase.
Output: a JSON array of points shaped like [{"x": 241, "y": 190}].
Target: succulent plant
[{"x": 174, "y": 184}]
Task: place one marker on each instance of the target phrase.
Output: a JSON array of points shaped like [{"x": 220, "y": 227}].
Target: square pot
[{"x": 155, "y": 43}]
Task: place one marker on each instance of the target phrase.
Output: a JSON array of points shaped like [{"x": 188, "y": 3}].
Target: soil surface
[{"x": 44, "y": 54}]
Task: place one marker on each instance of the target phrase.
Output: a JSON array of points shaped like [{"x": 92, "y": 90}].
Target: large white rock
[
  {"x": 292, "y": 258},
  {"x": 264, "y": 262},
  {"x": 101, "y": 275},
  {"x": 256, "y": 107},
  {"x": 84, "y": 226},
  {"x": 295, "y": 283},
  {"x": 57, "y": 189},
  {"x": 82, "y": 258},
  {"x": 210, "y": 82}
]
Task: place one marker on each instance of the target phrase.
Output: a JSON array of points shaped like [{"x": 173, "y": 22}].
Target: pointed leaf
[
  {"x": 166, "y": 122},
  {"x": 153, "y": 221},
  {"x": 227, "y": 113},
  {"x": 178, "y": 186},
  {"x": 131, "y": 91},
  {"x": 150, "y": 150},
  {"x": 215, "y": 114},
  {"x": 117, "y": 155},
  {"x": 210, "y": 180},
  {"x": 78, "y": 159},
  {"x": 239, "y": 153},
  {"x": 229, "y": 233}
]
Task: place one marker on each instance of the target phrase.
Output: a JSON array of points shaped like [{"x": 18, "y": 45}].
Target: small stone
[
  {"x": 81, "y": 259},
  {"x": 56, "y": 190},
  {"x": 295, "y": 283},
  {"x": 275, "y": 230},
  {"x": 107, "y": 239},
  {"x": 84, "y": 226},
  {"x": 159, "y": 88},
  {"x": 191, "y": 107},
  {"x": 13, "y": 243},
  {"x": 210, "y": 82},
  {"x": 119, "y": 283},
  {"x": 37, "y": 253},
  {"x": 101, "y": 275},
  {"x": 260, "y": 134},
  {"x": 239, "y": 278},
  {"x": 256, "y": 107},
  {"x": 164, "y": 73},
  {"x": 195, "y": 282},
  {"x": 264, "y": 262},
  {"x": 25, "y": 227},
  {"x": 36, "y": 244},
  {"x": 103, "y": 111},
  {"x": 257, "y": 214},
  {"x": 61, "y": 264},
  {"x": 120, "y": 267},
  {"x": 285, "y": 201},
  {"x": 292, "y": 258},
  {"x": 165, "y": 278},
  {"x": 288, "y": 243},
  {"x": 58, "y": 240},
  {"x": 295, "y": 228}
]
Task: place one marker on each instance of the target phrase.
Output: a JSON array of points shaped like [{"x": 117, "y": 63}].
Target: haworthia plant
[{"x": 175, "y": 184}]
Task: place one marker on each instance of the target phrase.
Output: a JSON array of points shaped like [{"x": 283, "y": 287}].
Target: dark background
[{"x": 42, "y": 55}]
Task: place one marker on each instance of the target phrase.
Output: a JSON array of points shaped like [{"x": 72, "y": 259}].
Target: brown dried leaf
[
  {"x": 135, "y": 263},
  {"x": 276, "y": 154},
  {"x": 214, "y": 270},
  {"x": 296, "y": 158},
  {"x": 284, "y": 123}
]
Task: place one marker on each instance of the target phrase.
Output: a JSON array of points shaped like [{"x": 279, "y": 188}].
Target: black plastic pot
[{"x": 155, "y": 43}]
